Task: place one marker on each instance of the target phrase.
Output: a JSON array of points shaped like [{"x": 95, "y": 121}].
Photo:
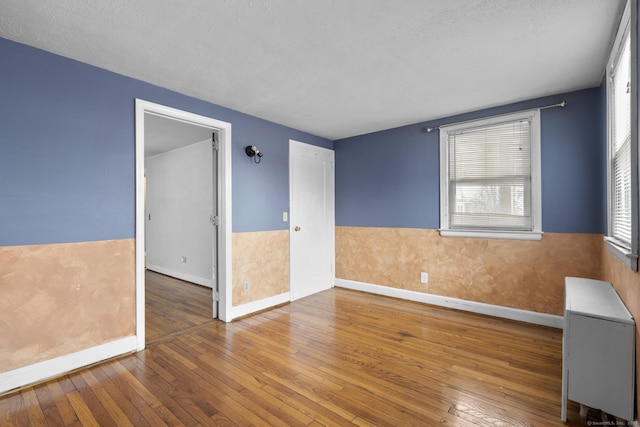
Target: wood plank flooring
[
  {"x": 338, "y": 358},
  {"x": 172, "y": 305}
]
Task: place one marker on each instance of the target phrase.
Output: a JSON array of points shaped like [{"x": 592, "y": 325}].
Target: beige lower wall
[
  {"x": 526, "y": 275},
  {"x": 262, "y": 259},
  {"x": 627, "y": 285},
  {"x": 62, "y": 298}
]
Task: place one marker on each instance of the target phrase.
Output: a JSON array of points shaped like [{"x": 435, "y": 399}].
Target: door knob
[{"x": 297, "y": 228}]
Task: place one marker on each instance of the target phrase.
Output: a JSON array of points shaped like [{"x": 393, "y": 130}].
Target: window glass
[{"x": 491, "y": 178}]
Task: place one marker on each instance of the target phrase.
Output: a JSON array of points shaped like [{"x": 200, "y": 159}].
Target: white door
[
  {"x": 215, "y": 220},
  {"x": 311, "y": 226}
]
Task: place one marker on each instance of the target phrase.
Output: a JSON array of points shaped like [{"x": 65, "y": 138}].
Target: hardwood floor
[
  {"x": 337, "y": 358},
  {"x": 172, "y": 305}
]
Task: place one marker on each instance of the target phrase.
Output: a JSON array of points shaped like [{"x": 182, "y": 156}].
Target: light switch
[{"x": 285, "y": 216}]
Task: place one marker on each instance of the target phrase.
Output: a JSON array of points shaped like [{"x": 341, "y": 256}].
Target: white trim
[
  {"x": 536, "y": 318},
  {"x": 60, "y": 365},
  {"x": 509, "y": 235},
  {"x": 536, "y": 171},
  {"x": 182, "y": 276},
  {"x": 622, "y": 253},
  {"x": 224, "y": 250},
  {"x": 255, "y": 306}
]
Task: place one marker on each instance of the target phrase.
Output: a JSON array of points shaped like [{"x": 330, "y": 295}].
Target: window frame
[
  {"x": 628, "y": 254},
  {"x": 535, "y": 233}
]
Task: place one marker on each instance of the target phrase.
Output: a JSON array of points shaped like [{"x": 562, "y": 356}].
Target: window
[
  {"x": 622, "y": 166},
  {"x": 490, "y": 177}
]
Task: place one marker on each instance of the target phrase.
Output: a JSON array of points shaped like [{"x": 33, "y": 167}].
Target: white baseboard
[
  {"x": 182, "y": 276},
  {"x": 54, "y": 367},
  {"x": 459, "y": 304},
  {"x": 255, "y": 306}
]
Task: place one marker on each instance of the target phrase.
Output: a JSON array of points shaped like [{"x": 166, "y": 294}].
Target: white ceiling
[{"x": 333, "y": 68}]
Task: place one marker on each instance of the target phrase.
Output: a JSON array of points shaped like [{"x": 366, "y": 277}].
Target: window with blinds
[
  {"x": 622, "y": 147},
  {"x": 490, "y": 181}
]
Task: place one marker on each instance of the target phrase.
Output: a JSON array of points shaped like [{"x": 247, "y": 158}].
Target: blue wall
[
  {"x": 67, "y": 158},
  {"x": 67, "y": 163},
  {"x": 391, "y": 178}
]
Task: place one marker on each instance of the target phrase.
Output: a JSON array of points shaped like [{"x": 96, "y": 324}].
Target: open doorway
[
  {"x": 180, "y": 227},
  {"x": 188, "y": 154}
]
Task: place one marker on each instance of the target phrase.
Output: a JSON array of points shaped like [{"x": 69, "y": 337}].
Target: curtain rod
[{"x": 559, "y": 104}]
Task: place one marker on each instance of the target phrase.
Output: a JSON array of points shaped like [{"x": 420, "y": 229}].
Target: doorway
[
  {"x": 181, "y": 200},
  {"x": 148, "y": 116},
  {"x": 180, "y": 236},
  {"x": 312, "y": 221}
]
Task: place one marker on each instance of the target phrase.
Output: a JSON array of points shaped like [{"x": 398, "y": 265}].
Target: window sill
[
  {"x": 623, "y": 254},
  {"x": 507, "y": 235}
]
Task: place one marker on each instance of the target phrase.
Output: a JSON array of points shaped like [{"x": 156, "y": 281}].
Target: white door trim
[
  {"x": 297, "y": 144},
  {"x": 224, "y": 206}
]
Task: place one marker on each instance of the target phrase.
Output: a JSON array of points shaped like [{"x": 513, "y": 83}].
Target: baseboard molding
[
  {"x": 54, "y": 367},
  {"x": 263, "y": 304},
  {"x": 182, "y": 276},
  {"x": 459, "y": 304}
]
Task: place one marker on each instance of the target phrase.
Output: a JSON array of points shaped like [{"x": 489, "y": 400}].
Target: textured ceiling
[{"x": 333, "y": 68}]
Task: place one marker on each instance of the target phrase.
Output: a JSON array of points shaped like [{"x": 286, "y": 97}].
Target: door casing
[{"x": 223, "y": 169}]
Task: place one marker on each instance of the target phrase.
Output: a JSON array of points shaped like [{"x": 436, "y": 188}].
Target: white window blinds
[
  {"x": 620, "y": 209},
  {"x": 489, "y": 179}
]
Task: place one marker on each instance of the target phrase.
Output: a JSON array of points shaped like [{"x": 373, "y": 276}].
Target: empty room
[{"x": 372, "y": 213}]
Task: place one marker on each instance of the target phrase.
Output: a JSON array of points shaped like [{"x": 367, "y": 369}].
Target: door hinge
[
  {"x": 214, "y": 142},
  {"x": 216, "y": 295},
  {"x": 215, "y": 220}
]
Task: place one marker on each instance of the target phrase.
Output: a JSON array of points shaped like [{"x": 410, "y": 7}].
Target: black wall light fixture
[{"x": 252, "y": 151}]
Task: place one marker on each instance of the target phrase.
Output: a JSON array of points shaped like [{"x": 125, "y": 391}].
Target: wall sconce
[{"x": 252, "y": 151}]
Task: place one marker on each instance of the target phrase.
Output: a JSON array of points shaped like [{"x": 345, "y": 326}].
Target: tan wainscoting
[
  {"x": 63, "y": 298},
  {"x": 262, "y": 259},
  {"x": 527, "y": 275}
]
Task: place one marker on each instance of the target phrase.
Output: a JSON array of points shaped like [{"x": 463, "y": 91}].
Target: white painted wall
[{"x": 180, "y": 201}]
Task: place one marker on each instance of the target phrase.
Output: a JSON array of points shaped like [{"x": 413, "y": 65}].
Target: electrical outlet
[
  {"x": 424, "y": 277},
  {"x": 245, "y": 286},
  {"x": 184, "y": 259}
]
